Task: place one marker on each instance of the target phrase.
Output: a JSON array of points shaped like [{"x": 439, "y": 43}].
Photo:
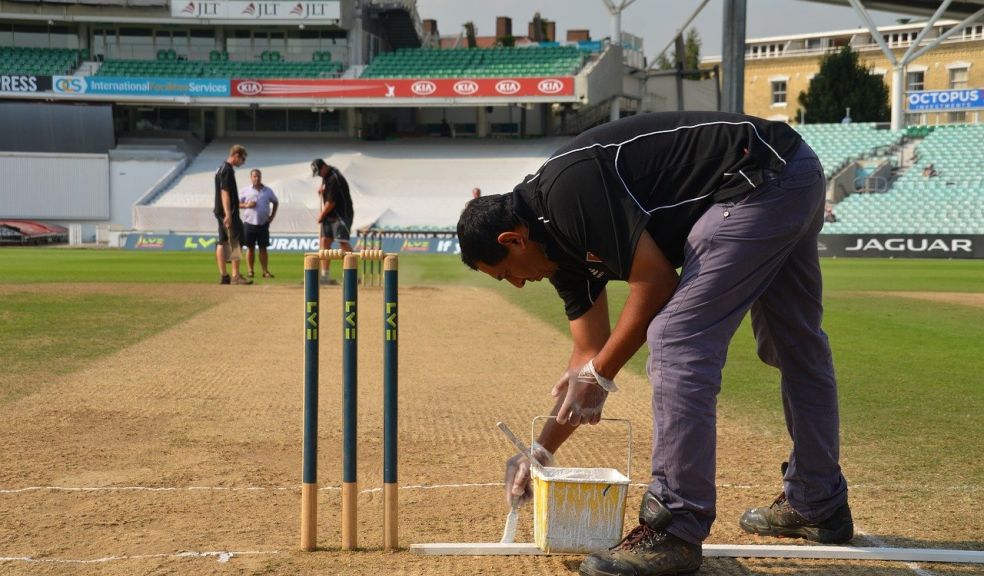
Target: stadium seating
[
  {"x": 839, "y": 144},
  {"x": 950, "y": 203},
  {"x": 41, "y": 61},
  {"x": 476, "y": 62},
  {"x": 222, "y": 68}
]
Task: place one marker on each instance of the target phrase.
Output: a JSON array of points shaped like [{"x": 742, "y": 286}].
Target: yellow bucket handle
[{"x": 628, "y": 426}]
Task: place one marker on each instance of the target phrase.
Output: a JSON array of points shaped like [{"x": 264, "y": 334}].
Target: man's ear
[{"x": 511, "y": 237}]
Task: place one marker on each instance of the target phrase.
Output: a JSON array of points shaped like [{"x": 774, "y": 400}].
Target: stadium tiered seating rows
[
  {"x": 221, "y": 69},
  {"x": 839, "y": 144},
  {"x": 950, "y": 203},
  {"x": 40, "y": 61},
  {"x": 476, "y": 62}
]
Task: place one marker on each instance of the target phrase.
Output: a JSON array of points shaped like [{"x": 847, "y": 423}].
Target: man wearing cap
[{"x": 336, "y": 213}]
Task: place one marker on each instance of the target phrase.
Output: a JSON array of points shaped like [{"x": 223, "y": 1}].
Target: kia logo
[
  {"x": 250, "y": 88},
  {"x": 550, "y": 86},
  {"x": 507, "y": 87},
  {"x": 423, "y": 88},
  {"x": 466, "y": 87}
]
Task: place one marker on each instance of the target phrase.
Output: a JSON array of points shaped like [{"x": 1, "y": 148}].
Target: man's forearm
[
  {"x": 227, "y": 203},
  {"x": 630, "y": 331},
  {"x": 553, "y": 435},
  {"x": 652, "y": 281}
]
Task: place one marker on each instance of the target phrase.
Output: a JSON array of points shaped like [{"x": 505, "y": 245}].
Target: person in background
[
  {"x": 337, "y": 212},
  {"x": 259, "y": 207},
  {"x": 476, "y": 192},
  {"x": 226, "y": 210}
]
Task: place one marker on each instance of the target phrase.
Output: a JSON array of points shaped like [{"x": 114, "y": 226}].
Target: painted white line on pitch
[
  {"x": 437, "y": 487},
  {"x": 142, "y": 489},
  {"x": 221, "y": 556},
  {"x": 882, "y": 544},
  {"x": 231, "y": 489},
  {"x": 894, "y": 487}
]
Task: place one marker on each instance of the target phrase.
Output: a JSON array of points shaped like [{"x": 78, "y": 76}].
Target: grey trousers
[{"x": 758, "y": 253}]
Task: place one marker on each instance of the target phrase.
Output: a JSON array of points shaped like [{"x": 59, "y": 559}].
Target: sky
[{"x": 653, "y": 20}]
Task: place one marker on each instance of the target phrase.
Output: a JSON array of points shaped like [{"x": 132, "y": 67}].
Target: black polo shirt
[
  {"x": 225, "y": 179},
  {"x": 337, "y": 191},
  {"x": 592, "y": 199}
]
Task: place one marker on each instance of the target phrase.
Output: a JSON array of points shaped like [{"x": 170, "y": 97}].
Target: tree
[
  {"x": 842, "y": 83},
  {"x": 691, "y": 54}
]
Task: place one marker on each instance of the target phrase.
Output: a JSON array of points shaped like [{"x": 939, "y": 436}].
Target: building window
[
  {"x": 136, "y": 43},
  {"x": 958, "y": 78},
  {"x": 973, "y": 32},
  {"x": 956, "y": 117},
  {"x": 200, "y": 44},
  {"x": 778, "y": 92},
  {"x": 915, "y": 81},
  {"x": 899, "y": 38}
]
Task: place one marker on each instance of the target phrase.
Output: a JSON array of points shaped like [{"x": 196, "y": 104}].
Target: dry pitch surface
[{"x": 182, "y": 454}]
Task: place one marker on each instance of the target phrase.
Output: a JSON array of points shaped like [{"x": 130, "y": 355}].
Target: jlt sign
[{"x": 257, "y": 10}]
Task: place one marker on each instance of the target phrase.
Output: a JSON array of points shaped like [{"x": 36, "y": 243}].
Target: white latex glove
[
  {"x": 518, "y": 490},
  {"x": 586, "y": 392}
]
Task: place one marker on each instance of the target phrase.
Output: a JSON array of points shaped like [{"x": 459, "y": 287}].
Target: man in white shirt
[{"x": 259, "y": 208}]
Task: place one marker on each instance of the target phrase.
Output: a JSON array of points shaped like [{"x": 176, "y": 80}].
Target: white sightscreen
[{"x": 54, "y": 186}]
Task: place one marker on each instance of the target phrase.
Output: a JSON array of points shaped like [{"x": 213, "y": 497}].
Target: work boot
[
  {"x": 648, "y": 550},
  {"x": 782, "y": 521}
]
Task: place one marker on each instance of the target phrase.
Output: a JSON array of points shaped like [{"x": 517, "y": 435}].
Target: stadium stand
[
  {"x": 40, "y": 61},
  {"x": 270, "y": 65},
  {"x": 424, "y": 186},
  {"x": 476, "y": 62},
  {"x": 950, "y": 203},
  {"x": 837, "y": 145}
]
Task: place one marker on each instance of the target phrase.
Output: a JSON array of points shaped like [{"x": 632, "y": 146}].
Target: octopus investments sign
[{"x": 946, "y": 100}]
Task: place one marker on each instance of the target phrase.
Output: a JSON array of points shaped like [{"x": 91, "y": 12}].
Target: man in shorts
[
  {"x": 226, "y": 210},
  {"x": 259, "y": 205},
  {"x": 335, "y": 218}
]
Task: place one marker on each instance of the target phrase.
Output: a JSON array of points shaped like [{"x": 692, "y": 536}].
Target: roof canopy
[{"x": 958, "y": 10}]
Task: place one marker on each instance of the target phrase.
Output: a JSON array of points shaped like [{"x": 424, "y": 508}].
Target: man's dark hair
[{"x": 479, "y": 226}]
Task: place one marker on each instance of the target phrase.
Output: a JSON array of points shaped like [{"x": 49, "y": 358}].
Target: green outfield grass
[{"x": 909, "y": 372}]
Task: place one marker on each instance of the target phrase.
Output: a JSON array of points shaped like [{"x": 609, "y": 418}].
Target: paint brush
[{"x": 509, "y": 532}]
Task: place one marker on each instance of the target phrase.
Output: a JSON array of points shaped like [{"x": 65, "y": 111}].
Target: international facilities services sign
[{"x": 292, "y": 10}]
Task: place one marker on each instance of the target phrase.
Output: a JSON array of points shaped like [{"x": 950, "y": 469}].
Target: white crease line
[
  {"x": 140, "y": 489},
  {"x": 882, "y": 544},
  {"x": 219, "y": 556},
  {"x": 892, "y": 487}
]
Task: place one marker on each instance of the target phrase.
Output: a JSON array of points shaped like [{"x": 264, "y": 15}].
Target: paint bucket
[{"x": 579, "y": 510}]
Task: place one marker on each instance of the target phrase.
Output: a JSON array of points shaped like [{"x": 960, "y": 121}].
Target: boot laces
[
  {"x": 780, "y": 501},
  {"x": 641, "y": 536}
]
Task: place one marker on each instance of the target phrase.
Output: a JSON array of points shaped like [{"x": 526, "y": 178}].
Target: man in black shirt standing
[
  {"x": 736, "y": 203},
  {"x": 226, "y": 211},
  {"x": 337, "y": 212}
]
